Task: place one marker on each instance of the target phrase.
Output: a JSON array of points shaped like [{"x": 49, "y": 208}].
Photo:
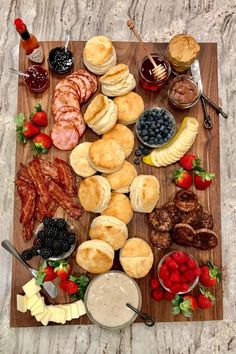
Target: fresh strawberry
[
  {"x": 179, "y": 257},
  {"x": 185, "y": 305},
  {"x": 182, "y": 178},
  {"x": 61, "y": 268},
  {"x": 205, "y": 300},
  {"x": 175, "y": 277},
  {"x": 168, "y": 296},
  {"x": 41, "y": 143},
  {"x": 183, "y": 268},
  {"x": 157, "y": 294},
  {"x": 210, "y": 275},
  {"x": 173, "y": 265},
  {"x": 40, "y": 117},
  {"x": 154, "y": 283},
  {"x": 25, "y": 129},
  {"x": 45, "y": 273},
  {"x": 164, "y": 272},
  {"x": 203, "y": 179},
  {"x": 189, "y": 162},
  {"x": 191, "y": 264},
  {"x": 175, "y": 288},
  {"x": 69, "y": 286}
]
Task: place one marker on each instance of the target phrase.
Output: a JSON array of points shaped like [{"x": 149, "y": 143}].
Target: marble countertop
[{"x": 207, "y": 21}]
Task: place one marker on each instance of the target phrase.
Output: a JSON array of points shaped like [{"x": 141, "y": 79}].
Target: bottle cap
[{"x": 20, "y": 26}]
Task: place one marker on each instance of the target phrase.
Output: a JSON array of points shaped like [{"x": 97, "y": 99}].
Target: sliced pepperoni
[
  {"x": 64, "y": 99},
  {"x": 76, "y": 118},
  {"x": 79, "y": 82},
  {"x": 90, "y": 76},
  {"x": 64, "y": 135},
  {"x": 65, "y": 109}
]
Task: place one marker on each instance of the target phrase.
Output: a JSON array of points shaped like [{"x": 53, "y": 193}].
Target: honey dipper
[{"x": 159, "y": 71}]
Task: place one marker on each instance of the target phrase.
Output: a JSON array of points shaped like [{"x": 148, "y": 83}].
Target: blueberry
[
  {"x": 137, "y": 161},
  {"x": 153, "y": 126},
  {"x": 165, "y": 139},
  {"x": 145, "y": 151},
  {"x": 144, "y": 132},
  {"x": 145, "y": 138},
  {"x": 162, "y": 128},
  {"x": 141, "y": 147},
  {"x": 138, "y": 152},
  {"x": 165, "y": 131},
  {"x": 161, "y": 141}
]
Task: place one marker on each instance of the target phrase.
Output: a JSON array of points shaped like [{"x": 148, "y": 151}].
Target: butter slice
[
  {"x": 81, "y": 307},
  {"x": 31, "y": 288},
  {"x": 22, "y": 302}
]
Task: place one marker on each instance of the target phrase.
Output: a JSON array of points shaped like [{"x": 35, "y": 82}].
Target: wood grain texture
[
  {"x": 206, "y": 146},
  {"x": 207, "y": 21}
]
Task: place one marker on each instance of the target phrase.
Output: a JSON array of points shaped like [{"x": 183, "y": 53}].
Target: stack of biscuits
[{"x": 184, "y": 222}]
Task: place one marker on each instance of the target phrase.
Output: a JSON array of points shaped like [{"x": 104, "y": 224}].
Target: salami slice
[
  {"x": 79, "y": 82},
  {"x": 64, "y": 99},
  {"x": 65, "y": 109},
  {"x": 90, "y": 76},
  {"x": 64, "y": 135},
  {"x": 76, "y": 117}
]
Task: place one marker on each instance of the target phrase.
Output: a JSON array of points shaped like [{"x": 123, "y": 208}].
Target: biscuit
[
  {"x": 119, "y": 207},
  {"x": 121, "y": 180},
  {"x": 117, "y": 81},
  {"x": 106, "y": 155},
  {"x": 99, "y": 55},
  {"x": 136, "y": 257},
  {"x": 144, "y": 193},
  {"x": 109, "y": 229},
  {"x": 94, "y": 194},
  {"x": 79, "y": 160},
  {"x": 123, "y": 136},
  {"x": 101, "y": 114},
  {"x": 95, "y": 256},
  {"x": 130, "y": 107}
]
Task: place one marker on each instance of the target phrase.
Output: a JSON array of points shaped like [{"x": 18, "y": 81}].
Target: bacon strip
[
  {"x": 27, "y": 195},
  {"x": 64, "y": 200},
  {"x": 66, "y": 176},
  {"x": 24, "y": 174},
  {"x": 47, "y": 211},
  {"x": 37, "y": 177},
  {"x": 28, "y": 228},
  {"x": 49, "y": 169}
]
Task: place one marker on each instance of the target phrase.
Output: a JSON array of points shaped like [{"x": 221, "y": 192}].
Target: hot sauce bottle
[{"x": 29, "y": 42}]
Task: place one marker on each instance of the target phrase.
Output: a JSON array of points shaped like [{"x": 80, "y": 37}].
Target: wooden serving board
[{"x": 206, "y": 146}]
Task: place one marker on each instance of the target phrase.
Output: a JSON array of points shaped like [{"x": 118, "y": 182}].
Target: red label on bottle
[{"x": 37, "y": 55}]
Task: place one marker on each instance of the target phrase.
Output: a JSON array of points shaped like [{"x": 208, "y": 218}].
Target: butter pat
[
  {"x": 31, "y": 288},
  {"x": 21, "y": 302}
]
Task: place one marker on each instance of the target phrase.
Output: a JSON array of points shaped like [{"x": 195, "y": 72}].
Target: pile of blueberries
[
  {"x": 53, "y": 240},
  {"x": 155, "y": 127}
]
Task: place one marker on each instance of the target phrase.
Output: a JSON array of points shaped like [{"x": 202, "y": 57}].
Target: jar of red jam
[
  {"x": 38, "y": 79},
  {"x": 147, "y": 80}
]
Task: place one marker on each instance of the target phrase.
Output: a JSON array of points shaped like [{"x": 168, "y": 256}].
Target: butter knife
[
  {"x": 48, "y": 286},
  {"x": 195, "y": 71}
]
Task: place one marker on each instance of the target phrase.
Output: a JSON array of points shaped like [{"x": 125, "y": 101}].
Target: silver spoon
[
  {"x": 17, "y": 72},
  {"x": 49, "y": 287},
  {"x": 67, "y": 39},
  {"x": 147, "y": 319}
]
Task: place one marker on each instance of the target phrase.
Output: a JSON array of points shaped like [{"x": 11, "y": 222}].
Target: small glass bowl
[
  {"x": 65, "y": 255},
  {"x": 177, "y": 104},
  {"x": 146, "y": 66},
  {"x": 161, "y": 281},
  {"x": 133, "y": 318},
  {"x": 38, "y": 79},
  {"x": 60, "y": 61},
  {"x": 153, "y": 146}
]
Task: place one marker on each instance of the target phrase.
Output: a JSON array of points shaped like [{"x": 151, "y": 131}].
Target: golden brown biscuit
[
  {"x": 96, "y": 109},
  {"x": 94, "y": 194},
  {"x": 98, "y": 50},
  {"x": 121, "y": 180},
  {"x": 144, "y": 193},
  {"x": 79, "y": 160},
  {"x": 95, "y": 256},
  {"x": 130, "y": 106},
  {"x": 109, "y": 229},
  {"x": 119, "y": 207},
  {"x": 106, "y": 155},
  {"x": 136, "y": 257},
  {"x": 123, "y": 136},
  {"x": 115, "y": 74}
]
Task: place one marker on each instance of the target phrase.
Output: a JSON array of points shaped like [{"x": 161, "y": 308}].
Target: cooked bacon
[
  {"x": 47, "y": 211},
  {"x": 49, "y": 169},
  {"x": 28, "y": 228},
  {"x": 24, "y": 174},
  {"x": 37, "y": 177},
  {"x": 66, "y": 176},
  {"x": 27, "y": 195},
  {"x": 57, "y": 193}
]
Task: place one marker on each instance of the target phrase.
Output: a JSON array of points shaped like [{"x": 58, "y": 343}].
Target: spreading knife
[
  {"x": 195, "y": 71},
  {"x": 48, "y": 286}
]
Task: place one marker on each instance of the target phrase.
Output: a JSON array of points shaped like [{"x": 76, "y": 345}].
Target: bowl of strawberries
[{"x": 178, "y": 272}]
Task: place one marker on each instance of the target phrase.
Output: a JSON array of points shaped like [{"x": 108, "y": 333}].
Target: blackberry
[
  {"x": 27, "y": 255},
  {"x": 63, "y": 235},
  {"x": 45, "y": 253},
  {"x": 71, "y": 239},
  {"x": 60, "y": 223},
  {"x": 51, "y": 232},
  {"x": 41, "y": 234},
  {"x": 57, "y": 246},
  {"x": 66, "y": 247},
  {"x": 49, "y": 242},
  {"x": 48, "y": 222},
  {"x": 56, "y": 253},
  {"x": 35, "y": 251}
]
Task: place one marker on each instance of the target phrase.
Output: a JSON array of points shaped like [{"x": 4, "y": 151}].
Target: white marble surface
[{"x": 207, "y": 20}]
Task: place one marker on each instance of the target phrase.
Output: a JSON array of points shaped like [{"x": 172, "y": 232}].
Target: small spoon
[
  {"x": 17, "y": 72},
  {"x": 67, "y": 40},
  {"x": 147, "y": 319}
]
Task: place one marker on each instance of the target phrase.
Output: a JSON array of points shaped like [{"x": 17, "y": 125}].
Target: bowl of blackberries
[
  {"x": 55, "y": 238},
  {"x": 155, "y": 127}
]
